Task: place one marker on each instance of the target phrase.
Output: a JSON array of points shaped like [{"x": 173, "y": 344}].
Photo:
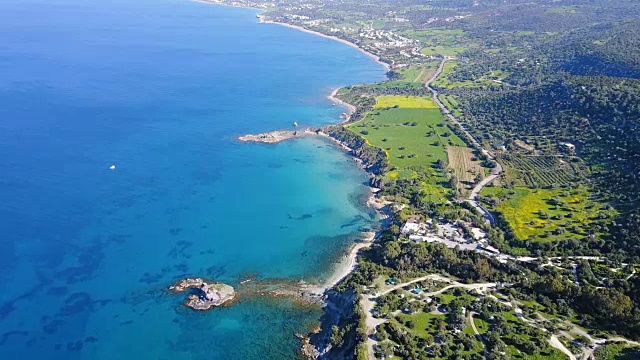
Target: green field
[
  {"x": 425, "y": 323},
  {"x": 450, "y": 102},
  {"x": 405, "y": 102},
  {"x": 411, "y": 137},
  {"x": 445, "y": 42},
  {"x": 408, "y": 77},
  {"x": 546, "y": 215},
  {"x": 443, "y": 80},
  {"x": 443, "y": 50},
  {"x": 410, "y": 73},
  {"x": 481, "y": 325}
]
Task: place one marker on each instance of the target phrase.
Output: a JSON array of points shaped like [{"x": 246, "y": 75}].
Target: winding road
[{"x": 495, "y": 172}]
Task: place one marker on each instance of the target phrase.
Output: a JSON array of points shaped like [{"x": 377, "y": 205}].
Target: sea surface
[{"x": 161, "y": 89}]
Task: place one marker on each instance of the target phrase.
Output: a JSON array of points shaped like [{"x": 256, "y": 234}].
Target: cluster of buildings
[{"x": 452, "y": 235}]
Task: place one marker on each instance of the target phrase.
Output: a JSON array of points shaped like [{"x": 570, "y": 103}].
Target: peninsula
[{"x": 277, "y": 136}]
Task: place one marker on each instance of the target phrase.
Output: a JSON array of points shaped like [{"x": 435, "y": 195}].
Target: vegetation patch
[
  {"x": 616, "y": 351},
  {"x": 563, "y": 10},
  {"x": 466, "y": 167},
  {"x": 549, "y": 214},
  {"x": 446, "y": 42},
  {"x": 405, "y": 102},
  {"x": 411, "y": 137},
  {"x": 423, "y": 324},
  {"x": 450, "y": 102},
  {"x": 540, "y": 171},
  {"x": 443, "y": 80}
]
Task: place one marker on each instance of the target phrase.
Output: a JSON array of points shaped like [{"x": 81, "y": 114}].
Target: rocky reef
[{"x": 204, "y": 294}]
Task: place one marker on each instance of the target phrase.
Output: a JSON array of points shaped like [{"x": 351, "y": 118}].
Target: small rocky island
[{"x": 204, "y": 294}]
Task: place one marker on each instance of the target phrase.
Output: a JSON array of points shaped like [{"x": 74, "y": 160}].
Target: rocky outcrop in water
[{"x": 204, "y": 295}]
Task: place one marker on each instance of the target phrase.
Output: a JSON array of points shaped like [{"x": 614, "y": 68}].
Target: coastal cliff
[
  {"x": 340, "y": 328},
  {"x": 373, "y": 158}
]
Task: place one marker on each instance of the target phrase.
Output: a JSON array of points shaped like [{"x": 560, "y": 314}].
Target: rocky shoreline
[{"x": 205, "y": 294}]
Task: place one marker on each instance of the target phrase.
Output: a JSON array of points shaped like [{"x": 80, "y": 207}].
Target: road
[
  {"x": 475, "y": 330},
  {"x": 556, "y": 343},
  {"x": 495, "y": 172}
]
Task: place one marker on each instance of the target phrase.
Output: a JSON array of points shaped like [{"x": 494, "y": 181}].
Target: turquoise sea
[{"x": 161, "y": 89}]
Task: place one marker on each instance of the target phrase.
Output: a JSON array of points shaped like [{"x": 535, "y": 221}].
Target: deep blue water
[{"x": 162, "y": 89}]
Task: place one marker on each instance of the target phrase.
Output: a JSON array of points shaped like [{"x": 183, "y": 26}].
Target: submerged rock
[{"x": 205, "y": 294}]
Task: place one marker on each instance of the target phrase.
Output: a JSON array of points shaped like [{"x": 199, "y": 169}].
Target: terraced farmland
[{"x": 539, "y": 171}]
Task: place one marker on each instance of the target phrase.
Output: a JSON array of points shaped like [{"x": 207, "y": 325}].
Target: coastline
[
  {"x": 350, "y": 108},
  {"x": 262, "y": 20},
  {"x": 348, "y": 264}
]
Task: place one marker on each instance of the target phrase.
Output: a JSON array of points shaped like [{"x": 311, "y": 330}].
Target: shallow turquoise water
[{"x": 162, "y": 89}]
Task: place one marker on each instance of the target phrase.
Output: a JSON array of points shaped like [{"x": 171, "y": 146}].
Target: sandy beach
[
  {"x": 348, "y": 263},
  {"x": 350, "y": 108}
]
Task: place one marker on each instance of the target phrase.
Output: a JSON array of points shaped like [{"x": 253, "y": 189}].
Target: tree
[
  {"x": 336, "y": 336},
  {"x": 392, "y": 250},
  {"x": 483, "y": 268},
  {"x": 453, "y": 182},
  {"x": 415, "y": 306}
]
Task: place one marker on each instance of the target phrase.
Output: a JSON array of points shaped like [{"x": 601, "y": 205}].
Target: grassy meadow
[
  {"x": 410, "y": 76},
  {"x": 413, "y": 134}
]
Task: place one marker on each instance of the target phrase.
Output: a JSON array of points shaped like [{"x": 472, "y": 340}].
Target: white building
[
  {"x": 411, "y": 226},
  {"x": 478, "y": 233}
]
